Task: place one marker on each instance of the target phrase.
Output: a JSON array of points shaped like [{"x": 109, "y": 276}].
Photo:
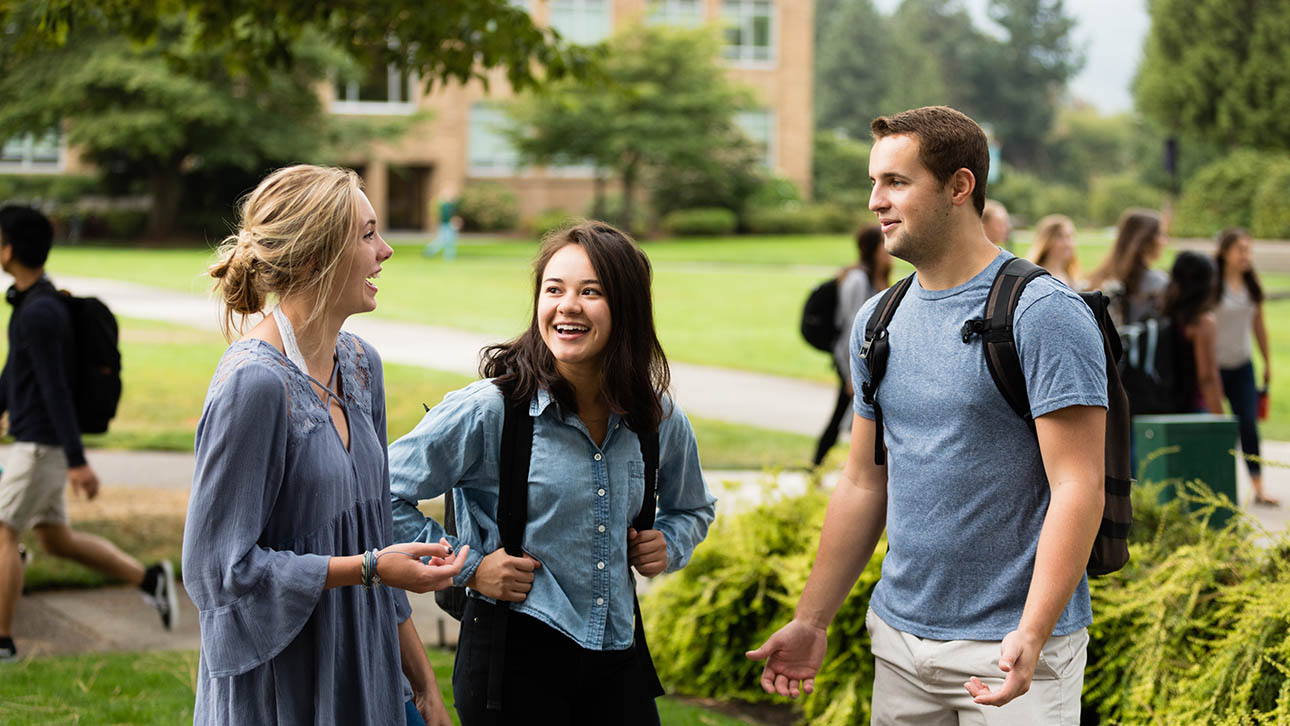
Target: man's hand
[
  {"x": 793, "y": 656},
  {"x": 84, "y": 480},
  {"x": 646, "y": 551},
  {"x": 1018, "y": 656},
  {"x": 503, "y": 577}
]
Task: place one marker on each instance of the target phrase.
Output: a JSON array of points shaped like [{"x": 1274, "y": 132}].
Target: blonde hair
[
  {"x": 1046, "y": 233},
  {"x": 993, "y": 209},
  {"x": 292, "y": 232}
]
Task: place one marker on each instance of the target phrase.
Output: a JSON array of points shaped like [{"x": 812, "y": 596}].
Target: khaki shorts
[
  {"x": 919, "y": 682},
  {"x": 33, "y": 486}
]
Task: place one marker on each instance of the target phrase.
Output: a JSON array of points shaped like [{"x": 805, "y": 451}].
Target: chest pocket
[{"x": 635, "y": 488}]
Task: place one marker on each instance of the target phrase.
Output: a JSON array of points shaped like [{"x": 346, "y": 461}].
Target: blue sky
[{"x": 1109, "y": 31}]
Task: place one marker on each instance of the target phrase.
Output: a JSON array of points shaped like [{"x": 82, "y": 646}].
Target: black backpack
[
  {"x": 95, "y": 372},
  {"x": 818, "y": 314},
  {"x": 1150, "y": 367},
  {"x": 512, "y": 518},
  {"x": 1111, "y": 548}
]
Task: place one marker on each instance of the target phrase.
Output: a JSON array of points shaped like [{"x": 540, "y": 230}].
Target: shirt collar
[
  {"x": 15, "y": 296},
  {"x": 541, "y": 400}
]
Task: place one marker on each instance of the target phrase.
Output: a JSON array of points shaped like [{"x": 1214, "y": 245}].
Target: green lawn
[{"x": 158, "y": 688}]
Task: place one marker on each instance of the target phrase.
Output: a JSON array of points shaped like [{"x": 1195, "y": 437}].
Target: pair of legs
[
  {"x": 830, "y": 435},
  {"x": 1243, "y": 396},
  {"x": 445, "y": 241},
  {"x": 919, "y": 682}
]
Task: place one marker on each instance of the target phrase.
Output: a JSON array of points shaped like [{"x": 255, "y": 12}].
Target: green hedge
[
  {"x": 1272, "y": 204},
  {"x": 705, "y": 221},
  {"x": 488, "y": 207},
  {"x": 1195, "y": 630},
  {"x": 1223, "y": 194},
  {"x": 1110, "y": 195},
  {"x": 802, "y": 219}
]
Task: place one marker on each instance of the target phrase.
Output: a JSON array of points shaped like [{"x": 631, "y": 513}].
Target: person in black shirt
[{"x": 47, "y": 453}]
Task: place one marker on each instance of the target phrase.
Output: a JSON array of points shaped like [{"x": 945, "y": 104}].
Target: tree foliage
[
  {"x": 662, "y": 113},
  {"x": 1218, "y": 70}
]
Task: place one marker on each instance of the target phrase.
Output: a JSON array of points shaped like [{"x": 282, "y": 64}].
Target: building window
[
  {"x": 682, "y": 13},
  {"x": 760, "y": 127},
  {"x": 32, "y": 153},
  {"x": 488, "y": 151},
  {"x": 749, "y": 30},
  {"x": 387, "y": 90},
  {"x": 582, "y": 21}
]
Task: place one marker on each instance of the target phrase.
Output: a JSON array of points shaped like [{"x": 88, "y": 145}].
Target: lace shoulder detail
[
  {"x": 304, "y": 413},
  {"x": 357, "y": 359}
]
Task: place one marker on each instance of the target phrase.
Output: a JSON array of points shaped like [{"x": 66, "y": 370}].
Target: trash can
[{"x": 1185, "y": 447}]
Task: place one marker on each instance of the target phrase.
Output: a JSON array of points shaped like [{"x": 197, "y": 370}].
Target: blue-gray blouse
[
  {"x": 582, "y": 498},
  {"x": 275, "y": 495}
]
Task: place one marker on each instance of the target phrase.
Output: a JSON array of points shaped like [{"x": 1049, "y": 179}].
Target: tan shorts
[
  {"x": 919, "y": 682},
  {"x": 33, "y": 486}
]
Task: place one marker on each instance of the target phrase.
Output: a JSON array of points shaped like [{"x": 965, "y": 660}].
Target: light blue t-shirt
[{"x": 966, "y": 488}]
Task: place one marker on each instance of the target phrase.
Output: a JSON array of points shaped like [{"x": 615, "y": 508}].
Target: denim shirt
[{"x": 582, "y": 498}]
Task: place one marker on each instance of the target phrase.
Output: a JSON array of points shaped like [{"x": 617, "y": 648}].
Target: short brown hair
[{"x": 947, "y": 141}]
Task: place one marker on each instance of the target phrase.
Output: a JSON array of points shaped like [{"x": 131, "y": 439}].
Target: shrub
[
  {"x": 1223, "y": 193},
  {"x": 1111, "y": 194},
  {"x": 639, "y": 224},
  {"x": 1271, "y": 218},
  {"x": 488, "y": 207},
  {"x": 772, "y": 193},
  {"x": 700, "y": 222},
  {"x": 839, "y": 168},
  {"x": 1029, "y": 198},
  {"x": 115, "y": 224},
  {"x": 551, "y": 220},
  {"x": 45, "y": 190},
  {"x": 801, "y": 219}
]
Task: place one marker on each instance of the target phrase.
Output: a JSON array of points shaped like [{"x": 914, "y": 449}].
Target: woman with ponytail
[
  {"x": 549, "y": 635},
  {"x": 288, "y": 550}
]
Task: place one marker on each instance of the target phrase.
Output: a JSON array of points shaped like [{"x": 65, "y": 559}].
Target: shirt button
[
  {"x": 600, "y": 492},
  {"x": 597, "y": 457},
  {"x": 600, "y": 565},
  {"x": 601, "y": 528},
  {"x": 600, "y": 601}
]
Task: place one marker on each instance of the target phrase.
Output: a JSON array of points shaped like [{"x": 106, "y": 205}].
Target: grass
[{"x": 159, "y": 687}]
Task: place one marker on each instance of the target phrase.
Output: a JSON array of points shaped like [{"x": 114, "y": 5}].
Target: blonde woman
[
  {"x": 1054, "y": 248},
  {"x": 287, "y": 549}
]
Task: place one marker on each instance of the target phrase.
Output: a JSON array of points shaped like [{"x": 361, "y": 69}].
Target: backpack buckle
[
  {"x": 869, "y": 341},
  {"x": 976, "y": 326}
]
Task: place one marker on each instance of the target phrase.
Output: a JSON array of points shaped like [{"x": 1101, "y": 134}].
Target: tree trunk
[
  {"x": 164, "y": 184},
  {"x": 598, "y": 195},
  {"x": 628, "y": 208}
]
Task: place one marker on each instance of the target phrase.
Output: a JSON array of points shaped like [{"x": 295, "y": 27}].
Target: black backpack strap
[
  {"x": 996, "y": 330},
  {"x": 874, "y": 353},
  {"x": 645, "y": 520},
  {"x": 512, "y": 517}
]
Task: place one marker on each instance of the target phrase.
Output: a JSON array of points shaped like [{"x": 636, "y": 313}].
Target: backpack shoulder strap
[
  {"x": 513, "y": 474},
  {"x": 649, "y": 452},
  {"x": 996, "y": 330},
  {"x": 874, "y": 352}
]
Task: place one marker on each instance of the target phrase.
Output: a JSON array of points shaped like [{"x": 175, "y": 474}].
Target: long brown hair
[
  {"x": 1226, "y": 239},
  {"x": 634, "y": 369},
  {"x": 876, "y": 267},
  {"x": 1138, "y": 230}
]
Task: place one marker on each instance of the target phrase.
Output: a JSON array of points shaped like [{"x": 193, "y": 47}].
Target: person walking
[
  {"x": 445, "y": 239},
  {"x": 1054, "y": 249},
  {"x": 1126, "y": 274},
  {"x": 1240, "y": 313},
  {"x": 981, "y": 612},
  {"x": 287, "y": 542},
  {"x": 47, "y": 453},
  {"x": 548, "y": 631},
  {"x": 856, "y": 284}
]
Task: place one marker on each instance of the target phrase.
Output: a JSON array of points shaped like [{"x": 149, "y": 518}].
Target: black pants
[
  {"x": 830, "y": 435},
  {"x": 548, "y": 678},
  {"x": 1243, "y": 394}
]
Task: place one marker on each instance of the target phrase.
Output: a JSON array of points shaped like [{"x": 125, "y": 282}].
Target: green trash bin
[{"x": 1203, "y": 444}]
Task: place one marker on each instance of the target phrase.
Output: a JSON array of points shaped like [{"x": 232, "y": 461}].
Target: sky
[{"x": 1110, "y": 32}]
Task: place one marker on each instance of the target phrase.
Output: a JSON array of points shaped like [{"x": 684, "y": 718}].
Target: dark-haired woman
[
  {"x": 1189, "y": 303},
  {"x": 856, "y": 284},
  {"x": 592, "y": 375},
  {"x": 1240, "y": 312},
  {"x": 1136, "y": 290}
]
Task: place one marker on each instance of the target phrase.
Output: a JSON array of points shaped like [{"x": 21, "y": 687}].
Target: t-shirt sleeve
[
  {"x": 1061, "y": 350},
  {"x": 859, "y": 373},
  {"x": 252, "y": 600}
]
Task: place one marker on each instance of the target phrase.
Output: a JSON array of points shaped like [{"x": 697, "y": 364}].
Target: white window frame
[
  {"x": 580, "y": 8},
  {"x": 343, "y": 105},
  {"x": 743, "y": 119},
  {"x": 676, "y": 13},
  {"x": 28, "y": 164},
  {"x": 506, "y": 164},
  {"x": 741, "y": 13}
]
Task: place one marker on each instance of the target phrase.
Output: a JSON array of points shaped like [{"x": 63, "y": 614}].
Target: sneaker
[
  {"x": 162, "y": 595},
  {"x": 8, "y": 651}
]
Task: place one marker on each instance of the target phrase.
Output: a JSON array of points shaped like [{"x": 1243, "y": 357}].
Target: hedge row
[
  {"x": 1195, "y": 630},
  {"x": 1246, "y": 188}
]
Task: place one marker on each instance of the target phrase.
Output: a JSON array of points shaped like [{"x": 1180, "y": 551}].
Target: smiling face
[
  {"x": 1239, "y": 256},
  {"x": 573, "y": 312},
  {"x": 912, "y": 206},
  {"x": 359, "y": 264}
]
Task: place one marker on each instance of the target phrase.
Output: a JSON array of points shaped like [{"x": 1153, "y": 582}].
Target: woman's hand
[
  {"x": 646, "y": 551},
  {"x": 503, "y": 577},
  {"x": 400, "y": 565},
  {"x": 430, "y": 705}
]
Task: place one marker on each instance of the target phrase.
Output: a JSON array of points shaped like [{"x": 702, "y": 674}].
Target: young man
[
  {"x": 47, "y": 452},
  {"x": 980, "y": 616}
]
